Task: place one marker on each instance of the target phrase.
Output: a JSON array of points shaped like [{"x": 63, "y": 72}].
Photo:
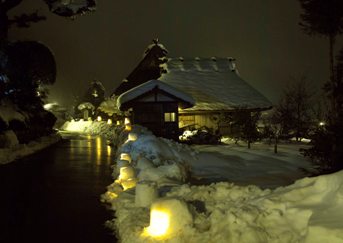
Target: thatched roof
[{"x": 214, "y": 83}]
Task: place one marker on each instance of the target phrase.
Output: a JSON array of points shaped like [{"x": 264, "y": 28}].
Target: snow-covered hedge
[{"x": 155, "y": 169}]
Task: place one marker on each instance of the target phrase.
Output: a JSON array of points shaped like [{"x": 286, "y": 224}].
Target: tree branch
[{"x": 24, "y": 20}]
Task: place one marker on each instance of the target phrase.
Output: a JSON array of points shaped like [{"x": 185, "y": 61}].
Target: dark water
[{"x": 54, "y": 196}]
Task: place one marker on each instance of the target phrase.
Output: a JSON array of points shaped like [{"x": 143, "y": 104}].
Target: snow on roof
[
  {"x": 154, "y": 43},
  {"x": 147, "y": 86},
  {"x": 85, "y": 105},
  {"x": 214, "y": 83}
]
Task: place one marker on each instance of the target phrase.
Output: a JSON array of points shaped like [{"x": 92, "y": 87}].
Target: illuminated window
[{"x": 169, "y": 117}]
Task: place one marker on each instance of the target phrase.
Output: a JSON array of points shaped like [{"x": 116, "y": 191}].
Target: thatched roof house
[{"x": 214, "y": 84}]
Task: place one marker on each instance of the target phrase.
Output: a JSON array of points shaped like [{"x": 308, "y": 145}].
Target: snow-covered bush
[
  {"x": 8, "y": 139},
  {"x": 200, "y": 136}
]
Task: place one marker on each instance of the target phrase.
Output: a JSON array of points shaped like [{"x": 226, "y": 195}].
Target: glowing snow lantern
[
  {"x": 127, "y": 124},
  {"x": 130, "y": 183},
  {"x": 126, "y": 173},
  {"x": 159, "y": 223},
  {"x": 168, "y": 216},
  {"x": 109, "y": 121},
  {"x": 132, "y": 137},
  {"x": 125, "y": 156},
  {"x": 99, "y": 118},
  {"x": 118, "y": 123},
  {"x": 121, "y": 164}
]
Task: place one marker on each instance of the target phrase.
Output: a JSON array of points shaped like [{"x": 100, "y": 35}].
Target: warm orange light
[
  {"x": 159, "y": 223},
  {"x": 125, "y": 156},
  {"x": 132, "y": 137},
  {"x": 130, "y": 183},
  {"x": 126, "y": 173}
]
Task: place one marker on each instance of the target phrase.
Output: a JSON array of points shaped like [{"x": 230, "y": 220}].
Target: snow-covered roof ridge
[
  {"x": 218, "y": 64},
  {"x": 214, "y": 83},
  {"x": 150, "y": 85}
]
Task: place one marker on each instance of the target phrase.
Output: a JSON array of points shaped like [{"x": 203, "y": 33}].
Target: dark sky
[{"x": 263, "y": 35}]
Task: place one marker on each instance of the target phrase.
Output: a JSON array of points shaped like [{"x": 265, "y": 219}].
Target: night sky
[{"x": 263, "y": 35}]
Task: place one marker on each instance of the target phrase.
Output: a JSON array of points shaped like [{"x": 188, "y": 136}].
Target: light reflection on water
[{"x": 94, "y": 149}]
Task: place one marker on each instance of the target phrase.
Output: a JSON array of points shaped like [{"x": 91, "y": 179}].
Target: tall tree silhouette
[
  {"x": 323, "y": 18},
  {"x": 327, "y": 141}
]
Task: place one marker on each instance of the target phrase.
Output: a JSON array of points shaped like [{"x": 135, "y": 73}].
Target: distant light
[
  {"x": 118, "y": 123},
  {"x": 321, "y": 123},
  {"x": 99, "y": 118},
  {"x": 109, "y": 121},
  {"x": 127, "y": 121},
  {"x": 159, "y": 223}
]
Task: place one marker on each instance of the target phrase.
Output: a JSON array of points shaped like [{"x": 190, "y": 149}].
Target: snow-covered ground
[
  {"x": 258, "y": 166},
  {"x": 18, "y": 151},
  {"x": 153, "y": 202}
]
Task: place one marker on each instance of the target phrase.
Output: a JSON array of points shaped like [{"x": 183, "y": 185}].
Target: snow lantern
[
  {"x": 129, "y": 183},
  {"x": 125, "y": 156},
  {"x": 109, "y": 121},
  {"x": 168, "y": 216},
  {"x": 132, "y": 136},
  {"x": 126, "y": 173},
  {"x": 99, "y": 118},
  {"x": 121, "y": 164},
  {"x": 146, "y": 193},
  {"x": 127, "y": 124}
]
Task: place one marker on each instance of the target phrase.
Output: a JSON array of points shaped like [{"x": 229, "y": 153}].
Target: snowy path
[
  {"x": 54, "y": 195},
  {"x": 258, "y": 165}
]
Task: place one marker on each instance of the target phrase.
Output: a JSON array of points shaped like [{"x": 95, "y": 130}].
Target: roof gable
[{"x": 145, "y": 93}]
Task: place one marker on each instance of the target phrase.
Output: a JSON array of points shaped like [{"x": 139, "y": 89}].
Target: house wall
[
  {"x": 209, "y": 120},
  {"x": 151, "y": 115}
]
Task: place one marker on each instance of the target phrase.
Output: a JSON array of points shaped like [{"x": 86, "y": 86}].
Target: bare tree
[{"x": 294, "y": 111}]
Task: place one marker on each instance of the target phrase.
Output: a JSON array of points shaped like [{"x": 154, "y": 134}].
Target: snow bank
[
  {"x": 310, "y": 210},
  {"x": 19, "y": 151},
  {"x": 109, "y": 131},
  {"x": 9, "y": 112},
  {"x": 76, "y": 126}
]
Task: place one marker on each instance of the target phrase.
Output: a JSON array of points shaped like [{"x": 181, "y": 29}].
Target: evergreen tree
[
  {"x": 327, "y": 141},
  {"x": 323, "y": 18},
  {"x": 244, "y": 126}
]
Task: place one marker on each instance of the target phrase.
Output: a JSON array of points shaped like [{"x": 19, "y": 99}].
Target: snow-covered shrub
[
  {"x": 200, "y": 136},
  {"x": 8, "y": 139}
]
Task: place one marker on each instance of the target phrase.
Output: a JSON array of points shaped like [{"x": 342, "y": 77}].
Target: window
[{"x": 169, "y": 117}]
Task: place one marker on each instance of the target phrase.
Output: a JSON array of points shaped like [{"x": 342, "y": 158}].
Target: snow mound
[{"x": 310, "y": 210}]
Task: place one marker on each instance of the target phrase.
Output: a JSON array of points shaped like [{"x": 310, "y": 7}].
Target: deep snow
[{"x": 310, "y": 210}]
